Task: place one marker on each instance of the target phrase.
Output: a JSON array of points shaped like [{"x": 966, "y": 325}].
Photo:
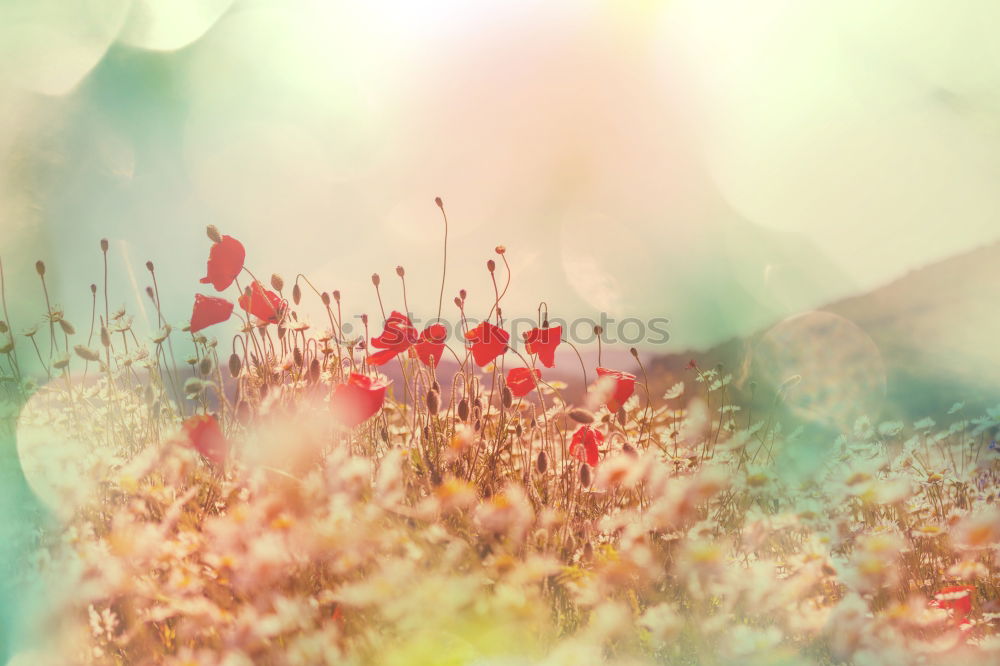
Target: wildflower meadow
[{"x": 251, "y": 485}]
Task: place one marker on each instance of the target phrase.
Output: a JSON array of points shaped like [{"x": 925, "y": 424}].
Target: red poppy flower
[
  {"x": 431, "y": 345},
  {"x": 521, "y": 381},
  {"x": 209, "y": 310},
  {"x": 584, "y": 444},
  {"x": 397, "y": 337},
  {"x": 957, "y": 598},
  {"x": 621, "y": 386},
  {"x": 357, "y": 400},
  {"x": 262, "y": 303},
  {"x": 205, "y": 436},
  {"x": 488, "y": 342},
  {"x": 225, "y": 261},
  {"x": 543, "y": 341}
]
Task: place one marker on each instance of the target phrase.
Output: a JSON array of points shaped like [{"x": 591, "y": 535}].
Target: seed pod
[
  {"x": 213, "y": 233},
  {"x": 542, "y": 463},
  {"x": 376, "y": 280},
  {"x": 235, "y": 365},
  {"x": 462, "y": 294},
  {"x": 105, "y": 336},
  {"x": 399, "y": 271},
  {"x": 66, "y": 327},
  {"x": 149, "y": 266},
  {"x": 276, "y": 282},
  {"x": 336, "y": 295},
  {"x": 296, "y": 293},
  {"x": 598, "y": 329},
  {"x": 458, "y": 301},
  {"x": 325, "y": 297},
  {"x": 620, "y": 415},
  {"x": 463, "y": 409},
  {"x": 585, "y": 475},
  {"x": 40, "y": 268},
  {"x": 93, "y": 288},
  {"x": 491, "y": 265},
  {"x": 205, "y": 366},
  {"x": 314, "y": 370},
  {"x": 433, "y": 400},
  {"x": 633, "y": 351},
  {"x": 629, "y": 450},
  {"x": 581, "y": 415},
  {"x": 500, "y": 249},
  {"x": 151, "y": 294},
  {"x": 438, "y": 202},
  {"x": 508, "y": 397}
]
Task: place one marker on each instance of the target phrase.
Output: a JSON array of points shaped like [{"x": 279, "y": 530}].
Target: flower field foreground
[{"x": 281, "y": 501}]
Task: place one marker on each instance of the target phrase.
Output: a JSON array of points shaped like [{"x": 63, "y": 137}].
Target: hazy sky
[{"x": 719, "y": 163}]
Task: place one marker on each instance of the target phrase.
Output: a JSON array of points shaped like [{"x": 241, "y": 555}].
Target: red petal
[
  {"x": 209, "y": 310},
  {"x": 225, "y": 261},
  {"x": 205, "y": 436},
  {"x": 357, "y": 400}
]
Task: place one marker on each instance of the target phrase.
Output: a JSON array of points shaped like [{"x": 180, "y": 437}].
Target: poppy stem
[{"x": 444, "y": 268}]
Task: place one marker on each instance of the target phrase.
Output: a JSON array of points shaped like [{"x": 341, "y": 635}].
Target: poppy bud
[
  {"x": 518, "y": 430},
  {"x": 151, "y": 294},
  {"x": 633, "y": 351},
  {"x": 620, "y": 414},
  {"x": 508, "y": 397},
  {"x": 281, "y": 332},
  {"x": 336, "y": 295},
  {"x": 3, "y": 326},
  {"x": 500, "y": 249},
  {"x": 542, "y": 462},
  {"x": 61, "y": 362},
  {"x": 314, "y": 370},
  {"x": 399, "y": 271},
  {"x": 205, "y": 366},
  {"x": 438, "y": 202},
  {"x": 629, "y": 450},
  {"x": 433, "y": 402},
  {"x": 325, "y": 297},
  {"x": 585, "y": 475},
  {"x": 86, "y": 353},
  {"x": 297, "y": 356},
  {"x": 40, "y": 267},
  {"x": 458, "y": 301},
  {"x": 545, "y": 323},
  {"x": 276, "y": 282},
  {"x": 462, "y": 294},
  {"x": 93, "y": 288},
  {"x": 581, "y": 416},
  {"x": 105, "y": 336},
  {"x": 435, "y": 386},
  {"x": 478, "y": 425},
  {"x": 491, "y": 265},
  {"x": 213, "y": 233},
  {"x": 588, "y": 552},
  {"x": 66, "y": 327},
  {"x": 598, "y": 330},
  {"x": 235, "y": 365},
  {"x": 376, "y": 280},
  {"x": 463, "y": 409},
  {"x": 296, "y": 293},
  {"x": 149, "y": 266}
]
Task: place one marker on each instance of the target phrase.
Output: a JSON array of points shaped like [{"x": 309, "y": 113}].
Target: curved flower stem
[{"x": 444, "y": 268}]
